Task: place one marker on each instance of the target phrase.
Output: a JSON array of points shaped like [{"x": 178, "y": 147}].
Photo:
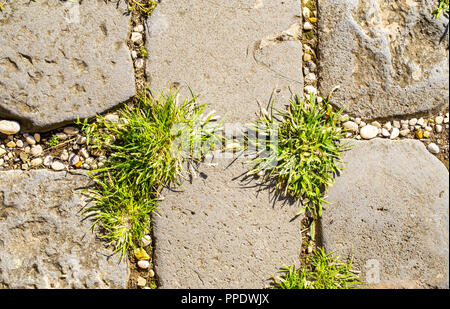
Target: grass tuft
[
  {"x": 148, "y": 149},
  {"x": 443, "y": 8},
  {"x": 309, "y": 148},
  {"x": 323, "y": 271}
]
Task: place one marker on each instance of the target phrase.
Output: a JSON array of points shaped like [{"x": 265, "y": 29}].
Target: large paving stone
[
  {"x": 43, "y": 241},
  {"x": 60, "y": 60},
  {"x": 390, "y": 206},
  {"x": 227, "y": 52},
  {"x": 218, "y": 234},
  {"x": 385, "y": 55}
]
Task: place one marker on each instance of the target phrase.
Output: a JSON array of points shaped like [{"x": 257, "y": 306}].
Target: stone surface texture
[
  {"x": 60, "y": 60},
  {"x": 43, "y": 241},
  {"x": 390, "y": 206},
  {"x": 386, "y": 56},
  {"x": 217, "y": 233},
  {"x": 233, "y": 54}
]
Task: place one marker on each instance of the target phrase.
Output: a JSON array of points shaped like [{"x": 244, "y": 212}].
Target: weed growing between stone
[
  {"x": 145, "y": 7},
  {"x": 309, "y": 148},
  {"x": 443, "y": 8},
  {"x": 150, "y": 146},
  {"x": 323, "y": 271}
]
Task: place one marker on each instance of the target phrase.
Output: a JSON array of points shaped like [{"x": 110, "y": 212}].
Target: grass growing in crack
[
  {"x": 53, "y": 141},
  {"x": 323, "y": 271},
  {"x": 148, "y": 153},
  {"x": 305, "y": 159},
  {"x": 146, "y": 7},
  {"x": 443, "y": 8}
]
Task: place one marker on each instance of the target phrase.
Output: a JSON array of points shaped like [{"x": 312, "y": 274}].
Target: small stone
[
  {"x": 78, "y": 164},
  {"x": 24, "y": 157},
  {"x": 27, "y": 149},
  {"x": 141, "y": 282},
  {"x": 24, "y": 166},
  {"x": 412, "y": 121},
  {"x": 86, "y": 166},
  {"x": 81, "y": 140},
  {"x": 305, "y": 71},
  {"x": 73, "y": 159},
  {"x": 307, "y": 57},
  {"x": 428, "y": 128},
  {"x": 396, "y": 124},
  {"x": 310, "y": 78},
  {"x": 9, "y": 127},
  {"x": 426, "y": 134},
  {"x": 311, "y": 66},
  {"x": 307, "y": 26},
  {"x": 151, "y": 273},
  {"x": 36, "y": 150},
  {"x": 438, "y": 128},
  {"x": 368, "y": 131},
  {"x": 404, "y": 132},
  {"x": 1, "y": 161},
  {"x": 139, "y": 63},
  {"x": 433, "y": 148},
  {"x": 29, "y": 139},
  {"x": 143, "y": 264},
  {"x": 136, "y": 37},
  {"x": 385, "y": 132},
  {"x": 62, "y": 136},
  {"x": 421, "y": 122},
  {"x": 146, "y": 240},
  {"x": 36, "y": 162},
  {"x": 311, "y": 90},
  {"x": 388, "y": 126},
  {"x": 134, "y": 54},
  {"x": 417, "y": 127},
  {"x": 57, "y": 166},
  {"x": 64, "y": 155},
  {"x": 71, "y": 130},
  {"x": 350, "y": 126},
  {"x": 394, "y": 133},
  {"x": 48, "y": 160},
  {"x": 84, "y": 153},
  {"x": 306, "y": 12},
  {"x": 405, "y": 126},
  {"x": 446, "y": 120},
  {"x": 19, "y": 143},
  {"x": 376, "y": 124},
  {"x": 362, "y": 124},
  {"x": 138, "y": 28},
  {"x": 37, "y": 137},
  {"x": 2, "y": 151},
  {"x": 112, "y": 118},
  {"x": 11, "y": 144},
  {"x": 439, "y": 119},
  {"x": 419, "y": 134}
]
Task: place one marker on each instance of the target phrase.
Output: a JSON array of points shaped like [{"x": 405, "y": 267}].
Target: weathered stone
[
  {"x": 218, "y": 233},
  {"x": 45, "y": 243},
  {"x": 385, "y": 55},
  {"x": 231, "y": 65},
  {"x": 60, "y": 60},
  {"x": 390, "y": 206}
]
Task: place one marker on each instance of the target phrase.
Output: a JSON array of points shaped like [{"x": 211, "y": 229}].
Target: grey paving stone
[
  {"x": 390, "y": 206},
  {"x": 227, "y": 52},
  {"x": 385, "y": 55},
  {"x": 60, "y": 60},
  {"x": 43, "y": 241},
  {"x": 218, "y": 234}
]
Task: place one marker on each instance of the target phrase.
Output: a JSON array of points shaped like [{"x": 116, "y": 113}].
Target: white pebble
[
  {"x": 368, "y": 131},
  {"x": 439, "y": 119},
  {"x": 9, "y": 127},
  {"x": 350, "y": 126},
  {"x": 395, "y": 133},
  {"x": 36, "y": 162},
  {"x": 36, "y": 150},
  {"x": 71, "y": 130},
  {"x": 385, "y": 132},
  {"x": 396, "y": 124},
  {"x": 143, "y": 264},
  {"x": 307, "y": 26},
  {"x": 48, "y": 160},
  {"x": 146, "y": 240},
  {"x": 413, "y": 121},
  {"x": 433, "y": 148},
  {"x": 438, "y": 128},
  {"x": 404, "y": 132},
  {"x": 57, "y": 165},
  {"x": 388, "y": 126}
]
